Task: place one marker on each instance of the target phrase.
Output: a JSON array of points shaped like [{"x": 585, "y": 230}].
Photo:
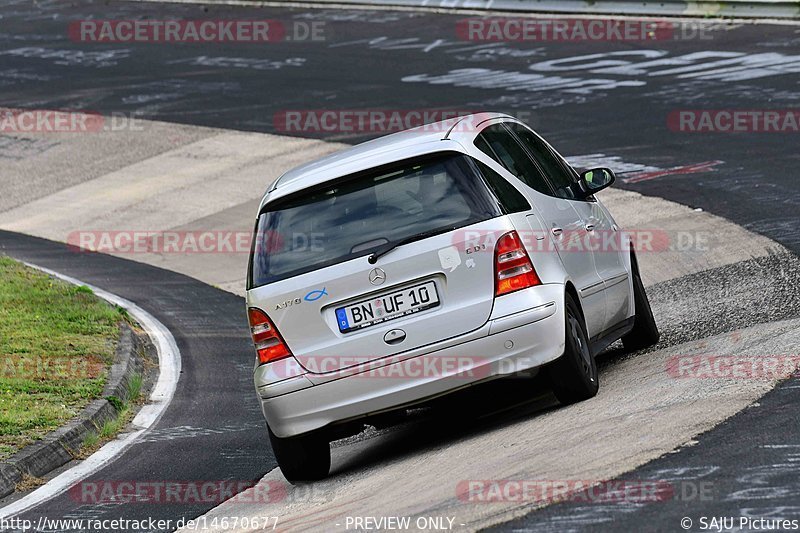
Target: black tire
[
  {"x": 302, "y": 458},
  {"x": 645, "y": 331},
  {"x": 574, "y": 376}
]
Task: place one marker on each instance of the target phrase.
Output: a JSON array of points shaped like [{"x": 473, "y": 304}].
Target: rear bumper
[{"x": 521, "y": 340}]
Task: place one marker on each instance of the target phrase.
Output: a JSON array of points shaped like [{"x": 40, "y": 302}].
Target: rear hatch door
[{"x": 334, "y": 307}]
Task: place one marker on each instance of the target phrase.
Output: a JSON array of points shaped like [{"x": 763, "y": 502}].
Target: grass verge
[{"x": 57, "y": 342}]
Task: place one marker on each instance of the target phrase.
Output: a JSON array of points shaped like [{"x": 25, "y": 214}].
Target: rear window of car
[{"x": 354, "y": 216}]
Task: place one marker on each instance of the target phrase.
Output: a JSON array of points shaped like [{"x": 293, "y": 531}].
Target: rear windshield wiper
[{"x": 389, "y": 246}]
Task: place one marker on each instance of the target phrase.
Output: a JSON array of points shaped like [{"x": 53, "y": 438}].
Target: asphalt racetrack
[{"x": 614, "y": 102}]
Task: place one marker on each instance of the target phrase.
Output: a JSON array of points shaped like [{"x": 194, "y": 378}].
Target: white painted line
[{"x": 169, "y": 362}]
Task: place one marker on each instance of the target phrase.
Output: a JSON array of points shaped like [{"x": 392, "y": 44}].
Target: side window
[
  {"x": 512, "y": 200},
  {"x": 561, "y": 178},
  {"x": 496, "y": 142},
  {"x": 484, "y": 147}
]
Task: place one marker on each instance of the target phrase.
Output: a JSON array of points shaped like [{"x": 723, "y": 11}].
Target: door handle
[
  {"x": 557, "y": 231},
  {"x": 589, "y": 227}
]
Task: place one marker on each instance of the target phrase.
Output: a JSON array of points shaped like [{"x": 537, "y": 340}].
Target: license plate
[{"x": 387, "y": 307}]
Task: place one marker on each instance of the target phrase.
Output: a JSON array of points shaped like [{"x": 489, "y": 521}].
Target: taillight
[
  {"x": 513, "y": 268},
  {"x": 269, "y": 345}
]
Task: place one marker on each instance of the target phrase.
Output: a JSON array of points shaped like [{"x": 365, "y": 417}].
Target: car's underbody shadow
[
  {"x": 475, "y": 410},
  {"x": 472, "y": 411}
]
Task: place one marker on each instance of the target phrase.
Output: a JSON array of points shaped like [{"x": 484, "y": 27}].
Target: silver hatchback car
[{"x": 426, "y": 261}]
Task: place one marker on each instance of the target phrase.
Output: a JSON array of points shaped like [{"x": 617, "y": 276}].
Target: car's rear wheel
[
  {"x": 302, "y": 458},
  {"x": 574, "y": 376},
  {"x": 645, "y": 331}
]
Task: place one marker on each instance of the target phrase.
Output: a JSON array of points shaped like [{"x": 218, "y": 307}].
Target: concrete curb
[
  {"x": 770, "y": 9},
  {"x": 59, "y": 446}
]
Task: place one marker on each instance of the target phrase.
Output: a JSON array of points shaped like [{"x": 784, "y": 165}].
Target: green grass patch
[
  {"x": 90, "y": 441},
  {"x": 57, "y": 342},
  {"x": 95, "y": 439},
  {"x": 112, "y": 427},
  {"x": 135, "y": 387}
]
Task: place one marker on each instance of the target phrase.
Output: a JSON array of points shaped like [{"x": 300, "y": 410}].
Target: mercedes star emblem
[{"x": 377, "y": 276}]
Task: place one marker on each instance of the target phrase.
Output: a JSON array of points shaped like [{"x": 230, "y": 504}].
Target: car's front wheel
[
  {"x": 302, "y": 458},
  {"x": 574, "y": 376}
]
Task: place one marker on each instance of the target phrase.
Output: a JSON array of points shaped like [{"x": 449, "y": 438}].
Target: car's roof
[{"x": 382, "y": 150}]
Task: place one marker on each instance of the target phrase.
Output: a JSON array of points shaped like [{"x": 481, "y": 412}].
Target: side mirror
[{"x": 595, "y": 180}]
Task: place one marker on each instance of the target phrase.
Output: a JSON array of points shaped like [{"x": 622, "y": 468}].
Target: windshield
[{"x": 355, "y": 216}]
